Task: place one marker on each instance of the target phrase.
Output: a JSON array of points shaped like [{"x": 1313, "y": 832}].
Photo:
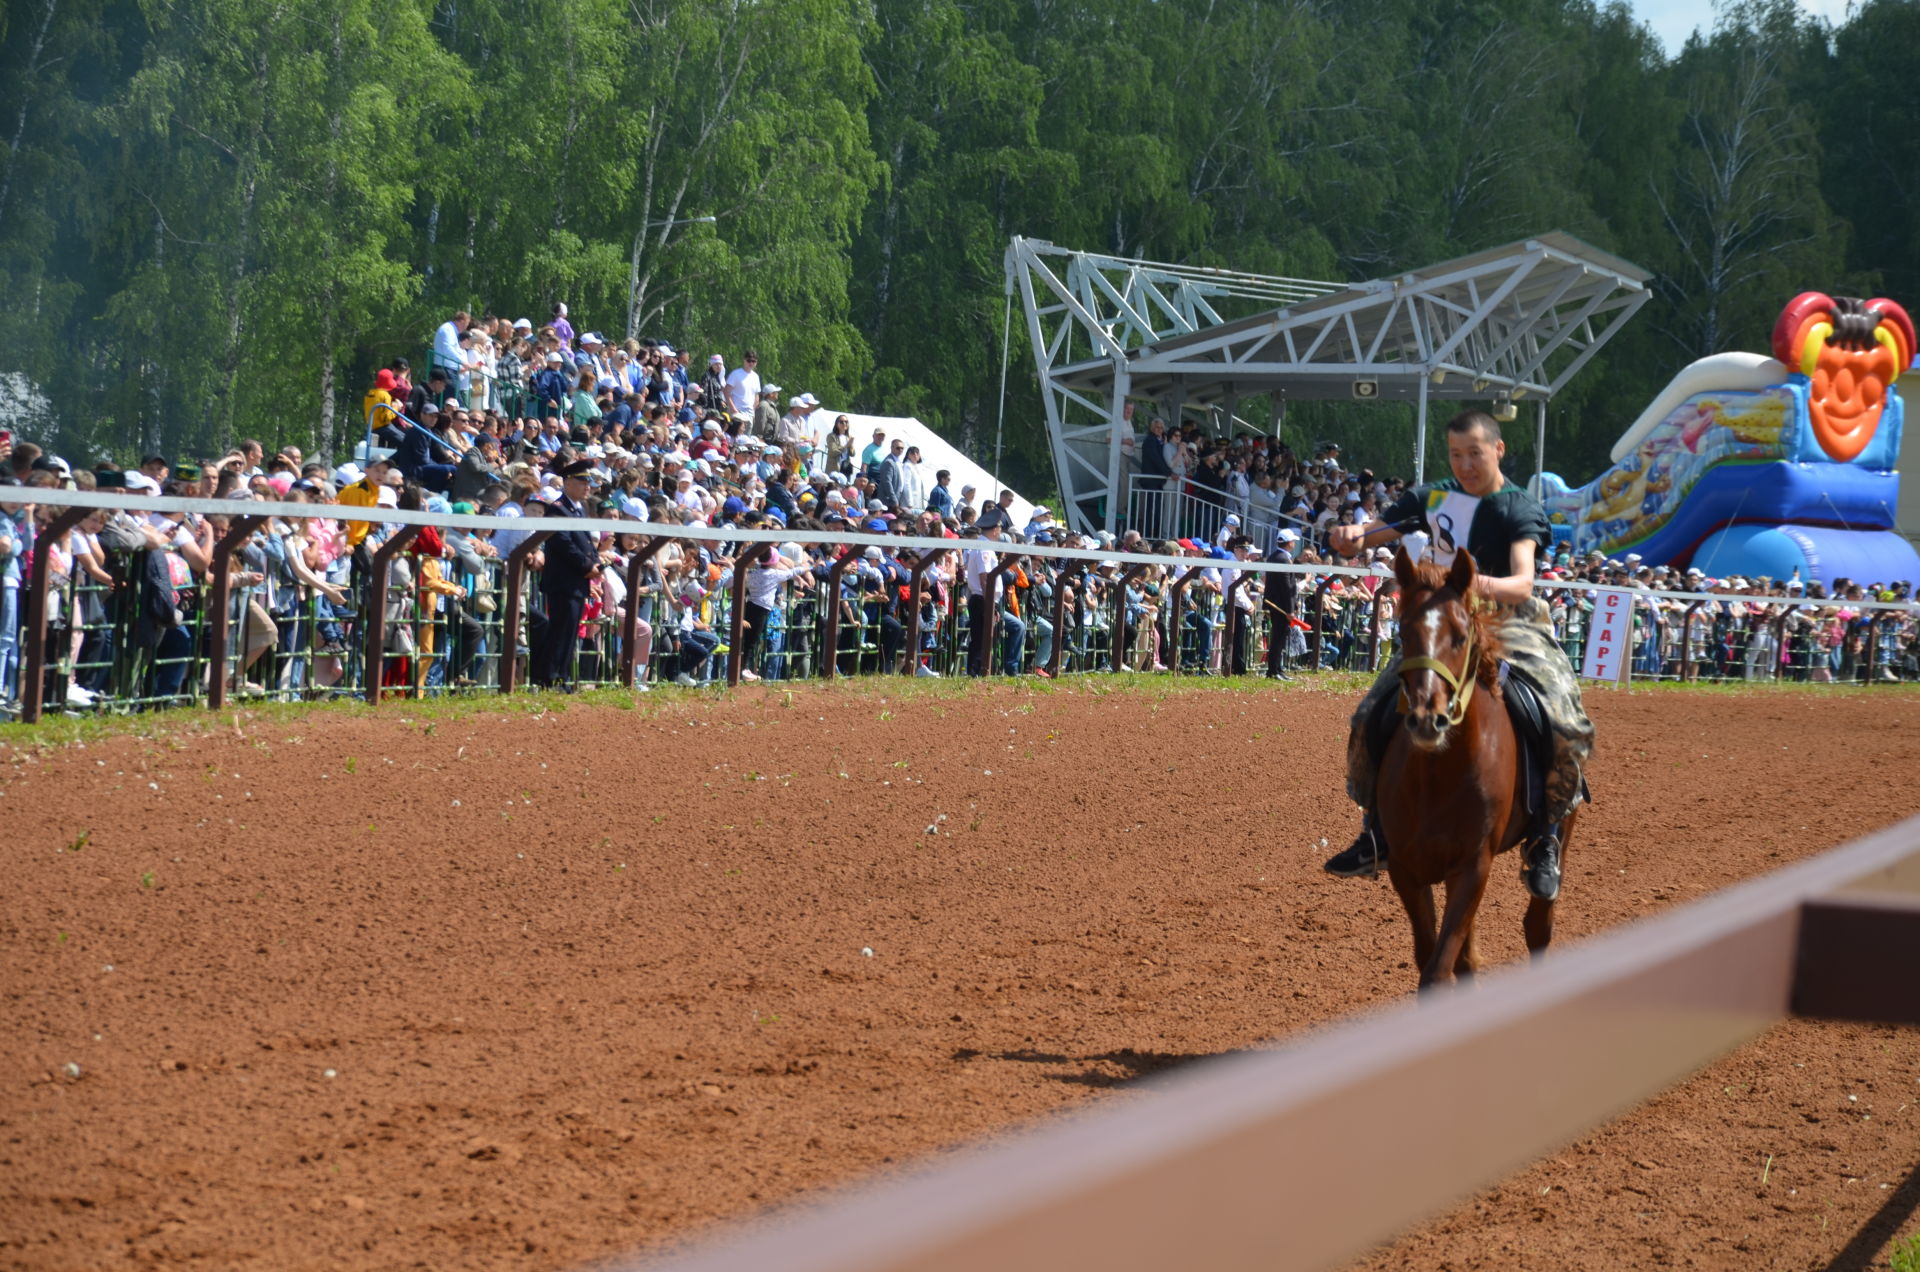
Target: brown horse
[{"x": 1447, "y": 796}]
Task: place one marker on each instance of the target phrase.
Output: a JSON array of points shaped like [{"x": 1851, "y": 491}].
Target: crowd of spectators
[{"x": 523, "y": 422}]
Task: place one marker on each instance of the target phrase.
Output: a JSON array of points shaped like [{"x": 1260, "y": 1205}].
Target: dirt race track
[{"x": 516, "y": 991}]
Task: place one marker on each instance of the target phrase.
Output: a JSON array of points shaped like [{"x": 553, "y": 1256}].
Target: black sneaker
[
  {"x": 1363, "y": 859},
  {"x": 1541, "y": 868}
]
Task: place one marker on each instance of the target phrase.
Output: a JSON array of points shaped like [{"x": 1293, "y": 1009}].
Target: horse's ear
[
  {"x": 1403, "y": 569},
  {"x": 1460, "y": 575}
]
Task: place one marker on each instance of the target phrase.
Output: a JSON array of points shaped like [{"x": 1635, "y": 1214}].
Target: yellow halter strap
[{"x": 1460, "y": 682}]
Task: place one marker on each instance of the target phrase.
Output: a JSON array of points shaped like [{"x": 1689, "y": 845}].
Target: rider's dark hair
[{"x": 1468, "y": 420}]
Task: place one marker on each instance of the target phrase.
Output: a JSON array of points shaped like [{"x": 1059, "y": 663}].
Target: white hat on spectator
[
  {"x": 138, "y": 481},
  {"x": 770, "y": 388},
  {"x": 1634, "y": 558},
  {"x": 554, "y": 356},
  {"x": 1695, "y": 572},
  {"x": 592, "y": 337},
  {"x": 1288, "y": 535},
  {"x": 345, "y": 475},
  {"x": 667, "y": 351},
  {"x": 794, "y": 403},
  {"x": 1233, "y": 518},
  {"x": 386, "y": 498},
  {"x": 807, "y": 399},
  {"x": 873, "y": 552},
  {"x": 1383, "y": 554},
  {"x": 711, "y": 426},
  {"x": 716, "y": 361}
]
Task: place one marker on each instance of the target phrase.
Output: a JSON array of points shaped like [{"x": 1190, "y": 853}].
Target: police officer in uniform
[{"x": 571, "y": 558}]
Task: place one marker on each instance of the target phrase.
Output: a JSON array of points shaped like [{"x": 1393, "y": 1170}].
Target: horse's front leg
[
  {"x": 1417, "y": 898},
  {"x": 1453, "y": 949}
]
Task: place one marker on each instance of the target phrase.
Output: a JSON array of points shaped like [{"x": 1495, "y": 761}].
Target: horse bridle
[{"x": 1461, "y": 682}]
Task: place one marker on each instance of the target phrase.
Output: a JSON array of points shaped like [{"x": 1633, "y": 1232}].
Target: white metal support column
[
  {"x": 1117, "y": 420},
  {"x": 1539, "y": 444},
  {"x": 1420, "y": 435}
]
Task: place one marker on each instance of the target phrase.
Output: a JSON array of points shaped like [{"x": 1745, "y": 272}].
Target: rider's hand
[{"x": 1345, "y": 539}]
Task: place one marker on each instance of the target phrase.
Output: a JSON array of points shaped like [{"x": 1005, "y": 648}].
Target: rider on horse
[{"x": 1509, "y": 527}]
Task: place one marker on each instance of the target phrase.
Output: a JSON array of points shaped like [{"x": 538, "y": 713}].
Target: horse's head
[{"x": 1440, "y": 646}]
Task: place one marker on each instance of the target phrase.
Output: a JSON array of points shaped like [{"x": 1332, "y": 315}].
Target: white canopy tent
[{"x": 936, "y": 453}]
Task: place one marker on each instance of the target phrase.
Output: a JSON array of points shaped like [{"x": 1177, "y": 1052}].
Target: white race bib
[{"x": 1450, "y": 519}]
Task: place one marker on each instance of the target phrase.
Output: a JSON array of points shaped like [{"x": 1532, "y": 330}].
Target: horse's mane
[{"x": 1431, "y": 587}]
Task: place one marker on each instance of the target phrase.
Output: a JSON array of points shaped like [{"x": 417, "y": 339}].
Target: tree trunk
[
  {"x": 323, "y": 437},
  {"x": 29, "y": 73}
]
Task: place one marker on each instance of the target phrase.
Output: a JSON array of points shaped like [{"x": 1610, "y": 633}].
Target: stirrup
[{"x": 1365, "y": 857}]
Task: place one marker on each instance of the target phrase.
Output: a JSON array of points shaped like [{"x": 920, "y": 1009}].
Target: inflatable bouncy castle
[{"x": 1764, "y": 466}]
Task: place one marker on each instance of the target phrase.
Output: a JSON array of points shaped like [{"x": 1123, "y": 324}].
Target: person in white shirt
[
  {"x": 448, "y": 356},
  {"x": 685, "y": 493},
  {"x": 743, "y": 386},
  {"x": 913, "y": 481},
  {"x": 981, "y": 561},
  {"x": 765, "y": 578},
  {"x": 1245, "y": 598},
  {"x": 793, "y": 427}
]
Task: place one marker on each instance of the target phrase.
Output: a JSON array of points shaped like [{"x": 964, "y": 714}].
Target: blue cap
[
  {"x": 773, "y": 511},
  {"x": 733, "y": 507},
  {"x": 877, "y": 526}
]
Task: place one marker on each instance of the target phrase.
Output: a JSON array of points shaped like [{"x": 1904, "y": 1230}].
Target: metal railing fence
[{"x": 1084, "y": 612}]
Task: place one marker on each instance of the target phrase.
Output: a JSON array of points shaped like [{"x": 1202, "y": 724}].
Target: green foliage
[
  {"x": 1905, "y": 1254},
  {"x": 217, "y": 217}
]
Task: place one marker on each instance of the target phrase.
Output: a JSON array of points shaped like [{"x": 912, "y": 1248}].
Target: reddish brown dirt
[{"x": 520, "y": 990}]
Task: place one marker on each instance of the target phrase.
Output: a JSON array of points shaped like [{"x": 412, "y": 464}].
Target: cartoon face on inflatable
[{"x": 1850, "y": 351}]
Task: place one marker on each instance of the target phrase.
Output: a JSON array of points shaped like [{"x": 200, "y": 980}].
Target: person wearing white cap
[
  {"x": 766, "y": 412},
  {"x": 792, "y": 428}
]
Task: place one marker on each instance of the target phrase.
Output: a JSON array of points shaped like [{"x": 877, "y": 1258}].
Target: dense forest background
[{"x": 218, "y": 216}]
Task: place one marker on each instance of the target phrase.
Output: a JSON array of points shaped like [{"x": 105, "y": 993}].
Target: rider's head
[{"x": 1474, "y": 450}]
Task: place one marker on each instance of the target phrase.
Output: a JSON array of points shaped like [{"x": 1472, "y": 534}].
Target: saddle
[{"x": 1535, "y": 734}]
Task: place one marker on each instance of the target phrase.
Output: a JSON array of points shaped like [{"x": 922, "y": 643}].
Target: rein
[{"x": 1460, "y": 682}]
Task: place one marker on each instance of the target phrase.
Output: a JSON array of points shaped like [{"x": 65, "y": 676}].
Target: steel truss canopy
[{"x": 1507, "y": 323}]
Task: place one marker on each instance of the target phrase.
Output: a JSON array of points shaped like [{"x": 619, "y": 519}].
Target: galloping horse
[{"x": 1448, "y": 797}]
